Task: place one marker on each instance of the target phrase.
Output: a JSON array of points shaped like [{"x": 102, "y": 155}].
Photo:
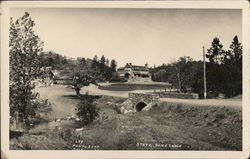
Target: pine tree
[
  {"x": 113, "y": 65},
  {"x": 102, "y": 60},
  {"x": 94, "y": 62},
  {"x": 107, "y": 62},
  {"x": 233, "y": 65},
  {"x": 215, "y": 53},
  {"x": 102, "y": 64}
]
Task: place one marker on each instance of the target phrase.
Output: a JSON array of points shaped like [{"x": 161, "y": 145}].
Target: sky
[{"x": 137, "y": 36}]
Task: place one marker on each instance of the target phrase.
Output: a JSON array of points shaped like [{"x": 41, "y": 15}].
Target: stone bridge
[{"x": 139, "y": 102}]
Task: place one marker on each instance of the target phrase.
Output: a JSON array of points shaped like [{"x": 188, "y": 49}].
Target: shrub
[
  {"x": 116, "y": 108},
  {"x": 38, "y": 112},
  {"x": 87, "y": 110}
]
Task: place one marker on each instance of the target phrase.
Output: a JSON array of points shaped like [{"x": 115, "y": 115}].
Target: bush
[
  {"x": 86, "y": 110},
  {"x": 38, "y": 111}
]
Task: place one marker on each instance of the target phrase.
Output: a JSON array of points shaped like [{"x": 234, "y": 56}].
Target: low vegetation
[{"x": 87, "y": 110}]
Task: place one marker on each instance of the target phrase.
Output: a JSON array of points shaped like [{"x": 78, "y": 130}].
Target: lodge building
[{"x": 134, "y": 73}]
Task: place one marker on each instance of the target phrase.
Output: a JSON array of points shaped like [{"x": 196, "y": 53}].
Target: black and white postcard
[{"x": 125, "y": 79}]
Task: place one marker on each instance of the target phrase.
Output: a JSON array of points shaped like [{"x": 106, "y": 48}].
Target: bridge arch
[
  {"x": 140, "y": 105},
  {"x": 136, "y": 102}
]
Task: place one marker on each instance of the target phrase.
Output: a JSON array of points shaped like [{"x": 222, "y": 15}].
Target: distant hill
[{"x": 66, "y": 65}]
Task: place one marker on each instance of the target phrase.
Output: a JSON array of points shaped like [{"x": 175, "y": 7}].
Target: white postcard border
[{"x": 244, "y": 5}]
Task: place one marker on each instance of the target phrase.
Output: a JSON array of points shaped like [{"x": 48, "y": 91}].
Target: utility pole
[
  {"x": 205, "y": 83},
  {"x": 178, "y": 78}
]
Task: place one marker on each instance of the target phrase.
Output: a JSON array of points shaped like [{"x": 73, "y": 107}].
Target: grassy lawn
[
  {"x": 166, "y": 127},
  {"x": 134, "y": 86}
]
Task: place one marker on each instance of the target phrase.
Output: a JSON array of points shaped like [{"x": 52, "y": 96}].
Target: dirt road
[
  {"x": 61, "y": 98},
  {"x": 236, "y": 103},
  {"x": 232, "y": 103}
]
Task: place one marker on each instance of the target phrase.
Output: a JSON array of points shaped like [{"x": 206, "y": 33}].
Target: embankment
[{"x": 217, "y": 125}]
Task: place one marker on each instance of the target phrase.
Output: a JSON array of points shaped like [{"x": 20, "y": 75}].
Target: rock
[
  {"x": 221, "y": 96},
  {"x": 58, "y": 128},
  {"x": 122, "y": 109},
  {"x": 79, "y": 129},
  {"x": 109, "y": 103},
  {"x": 130, "y": 111},
  {"x": 70, "y": 118}
]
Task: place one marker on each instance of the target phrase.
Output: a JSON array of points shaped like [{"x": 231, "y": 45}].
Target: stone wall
[
  {"x": 143, "y": 97},
  {"x": 129, "y": 106},
  {"x": 177, "y": 95}
]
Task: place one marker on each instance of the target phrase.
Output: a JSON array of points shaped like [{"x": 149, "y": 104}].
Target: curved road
[{"x": 236, "y": 103}]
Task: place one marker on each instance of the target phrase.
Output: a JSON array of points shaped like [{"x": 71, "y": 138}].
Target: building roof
[
  {"x": 139, "y": 68},
  {"x": 59, "y": 74},
  {"x": 133, "y": 67}
]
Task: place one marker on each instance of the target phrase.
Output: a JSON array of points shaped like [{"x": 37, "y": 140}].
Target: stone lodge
[{"x": 134, "y": 73}]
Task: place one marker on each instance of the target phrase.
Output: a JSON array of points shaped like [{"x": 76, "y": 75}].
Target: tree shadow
[
  {"x": 37, "y": 133},
  {"x": 82, "y": 97},
  {"x": 15, "y": 134}
]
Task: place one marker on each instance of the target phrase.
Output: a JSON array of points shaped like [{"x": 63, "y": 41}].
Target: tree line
[
  {"x": 93, "y": 71},
  {"x": 223, "y": 71},
  {"x": 104, "y": 68}
]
